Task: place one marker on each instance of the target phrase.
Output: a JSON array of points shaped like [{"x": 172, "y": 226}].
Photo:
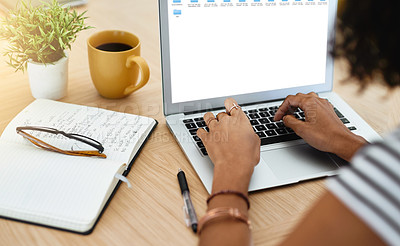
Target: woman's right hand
[
  {"x": 232, "y": 146},
  {"x": 322, "y": 129}
]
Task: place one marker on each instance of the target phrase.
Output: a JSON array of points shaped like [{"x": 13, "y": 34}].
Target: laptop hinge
[{"x": 242, "y": 104}]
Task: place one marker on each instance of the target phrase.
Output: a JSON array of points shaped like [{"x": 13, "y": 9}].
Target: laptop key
[
  {"x": 273, "y": 108},
  {"x": 254, "y": 122},
  {"x": 200, "y": 144},
  {"x": 252, "y": 111},
  {"x": 190, "y": 125},
  {"x": 196, "y": 138},
  {"x": 264, "y": 121},
  {"x": 199, "y": 119},
  {"x": 352, "y": 128},
  {"x": 261, "y": 134},
  {"x": 254, "y": 116},
  {"x": 264, "y": 114},
  {"x": 270, "y": 133},
  {"x": 201, "y": 123},
  {"x": 345, "y": 121},
  {"x": 280, "y": 125},
  {"x": 279, "y": 139},
  {"x": 281, "y": 131},
  {"x": 193, "y": 131},
  {"x": 260, "y": 128},
  {"x": 263, "y": 109},
  {"x": 187, "y": 121},
  {"x": 340, "y": 115},
  {"x": 271, "y": 126}
]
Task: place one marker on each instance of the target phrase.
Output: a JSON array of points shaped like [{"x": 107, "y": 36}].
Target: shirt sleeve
[{"x": 370, "y": 188}]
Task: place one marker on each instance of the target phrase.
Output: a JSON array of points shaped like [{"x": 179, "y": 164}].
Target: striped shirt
[{"x": 370, "y": 188}]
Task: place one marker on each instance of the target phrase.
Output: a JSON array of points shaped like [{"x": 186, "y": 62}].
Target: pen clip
[{"x": 186, "y": 215}]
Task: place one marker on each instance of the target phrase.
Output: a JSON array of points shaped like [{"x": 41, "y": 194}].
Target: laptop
[{"x": 258, "y": 52}]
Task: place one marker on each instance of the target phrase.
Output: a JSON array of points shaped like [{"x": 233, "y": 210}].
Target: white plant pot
[{"x": 49, "y": 80}]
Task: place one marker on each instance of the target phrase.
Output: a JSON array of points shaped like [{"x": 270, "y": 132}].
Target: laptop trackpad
[{"x": 297, "y": 162}]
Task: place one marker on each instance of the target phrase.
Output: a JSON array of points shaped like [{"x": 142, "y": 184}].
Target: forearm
[
  {"x": 228, "y": 231},
  {"x": 329, "y": 222}
]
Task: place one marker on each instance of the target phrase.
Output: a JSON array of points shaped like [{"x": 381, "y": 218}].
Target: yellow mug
[{"x": 115, "y": 63}]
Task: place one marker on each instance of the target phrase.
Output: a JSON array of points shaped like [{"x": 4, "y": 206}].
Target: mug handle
[{"x": 144, "y": 70}]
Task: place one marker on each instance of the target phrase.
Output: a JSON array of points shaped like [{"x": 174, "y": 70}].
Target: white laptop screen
[{"x": 220, "y": 48}]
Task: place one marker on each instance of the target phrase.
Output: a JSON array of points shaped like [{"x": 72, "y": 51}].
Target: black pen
[{"x": 189, "y": 209}]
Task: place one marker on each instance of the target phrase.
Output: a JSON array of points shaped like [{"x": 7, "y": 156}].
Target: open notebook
[{"x": 62, "y": 191}]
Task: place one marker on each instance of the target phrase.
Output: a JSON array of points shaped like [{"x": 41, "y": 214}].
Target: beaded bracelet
[
  {"x": 219, "y": 213},
  {"x": 233, "y": 192}
]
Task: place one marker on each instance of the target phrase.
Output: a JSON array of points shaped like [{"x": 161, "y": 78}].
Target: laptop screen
[{"x": 221, "y": 48}]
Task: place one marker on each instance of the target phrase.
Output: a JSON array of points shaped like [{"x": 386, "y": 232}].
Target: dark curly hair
[{"x": 369, "y": 39}]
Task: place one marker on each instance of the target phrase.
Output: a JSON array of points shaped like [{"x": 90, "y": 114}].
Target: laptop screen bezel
[{"x": 251, "y": 98}]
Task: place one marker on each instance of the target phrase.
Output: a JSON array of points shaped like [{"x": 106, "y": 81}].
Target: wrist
[
  {"x": 349, "y": 145},
  {"x": 227, "y": 177},
  {"x": 229, "y": 200}
]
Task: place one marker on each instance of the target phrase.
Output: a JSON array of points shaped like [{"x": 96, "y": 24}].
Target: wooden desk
[{"x": 151, "y": 212}]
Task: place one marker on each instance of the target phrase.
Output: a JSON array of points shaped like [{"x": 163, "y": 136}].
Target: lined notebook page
[
  {"x": 54, "y": 189},
  {"x": 119, "y": 133}
]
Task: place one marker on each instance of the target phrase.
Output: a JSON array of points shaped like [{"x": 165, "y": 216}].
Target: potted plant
[{"x": 39, "y": 38}]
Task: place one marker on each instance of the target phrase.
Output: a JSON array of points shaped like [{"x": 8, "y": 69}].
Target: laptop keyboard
[{"x": 262, "y": 120}]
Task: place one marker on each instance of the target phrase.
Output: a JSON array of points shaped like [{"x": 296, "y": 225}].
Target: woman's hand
[
  {"x": 322, "y": 128},
  {"x": 233, "y": 147}
]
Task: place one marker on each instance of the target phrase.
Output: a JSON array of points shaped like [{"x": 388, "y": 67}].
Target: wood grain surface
[{"x": 151, "y": 212}]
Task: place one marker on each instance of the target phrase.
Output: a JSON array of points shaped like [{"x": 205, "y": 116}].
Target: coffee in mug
[{"x": 114, "y": 47}]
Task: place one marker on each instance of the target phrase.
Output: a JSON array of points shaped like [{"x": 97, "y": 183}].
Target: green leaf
[
  {"x": 41, "y": 31},
  {"x": 60, "y": 41}
]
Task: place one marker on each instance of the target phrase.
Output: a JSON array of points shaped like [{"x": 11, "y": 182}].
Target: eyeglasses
[{"x": 62, "y": 141}]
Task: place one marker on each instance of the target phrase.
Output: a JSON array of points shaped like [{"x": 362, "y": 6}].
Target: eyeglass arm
[{"x": 96, "y": 144}]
